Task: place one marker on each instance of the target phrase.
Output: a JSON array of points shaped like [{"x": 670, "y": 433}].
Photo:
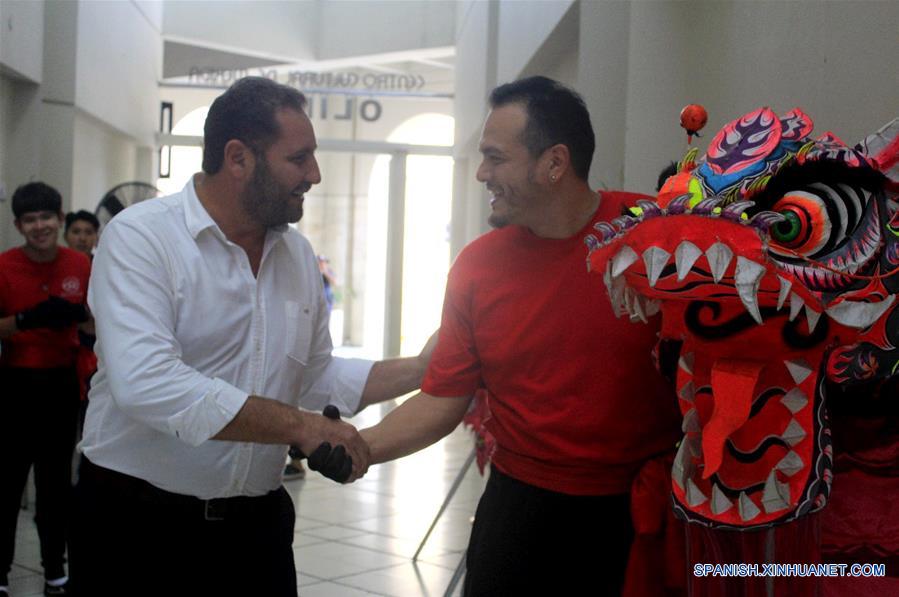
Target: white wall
[
  {"x": 262, "y": 27},
  {"x": 558, "y": 57},
  {"x": 603, "y": 66},
  {"x": 102, "y": 158},
  {"x": 354, "y": 27},
  {"x": 477, "y": 26},
  {"x": 20, "y": 146},
  {"x": 524, "y": 25},
  {"x": 119, "y": 57},
  {"x": 834, "y": 59},
  {"x": 153, "y": 11},
  {"x": 22, "y": 39}
]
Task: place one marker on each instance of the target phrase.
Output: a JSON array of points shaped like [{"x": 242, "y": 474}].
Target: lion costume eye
[
  {"x": 795, "y": 227},
  {"x": 806, "y": 228},
  {"x": 818, "y": 219}
]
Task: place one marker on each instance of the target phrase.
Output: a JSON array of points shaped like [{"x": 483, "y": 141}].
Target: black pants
[
  {"x": 131, "y": 538},
  {"x": 38, "y": 414},
  {"x": 530, "y": 541}
]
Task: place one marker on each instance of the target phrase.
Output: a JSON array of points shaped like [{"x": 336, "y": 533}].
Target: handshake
[{"x": 336, "y": 461}]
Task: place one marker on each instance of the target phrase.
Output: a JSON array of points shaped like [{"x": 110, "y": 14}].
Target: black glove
[
  {"x": 55, "y": 313},
  {"x": 333, "y": 463}
]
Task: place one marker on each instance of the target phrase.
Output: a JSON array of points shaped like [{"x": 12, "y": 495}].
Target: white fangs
[
  {"x": 776, "y": 495},
  {"x": 623, "y": 260},
  {"x": 790, "y": 464},
  {"x": 655, "y": 259},
  {"x": 812, "y": 318},
  {"x": 694, "y": 496},
  {"x": 799, "y": 370},
  {"x": 683, "y": 465},
  {"x": 796, "y": 304},
  {"x": 719, "y": 256},
  {"x": 690, "y": 424},
  {"x": 720, "y": 503},
  {"x": 685, "y": 256},
  {"x": 637, "y": 311},
  {"x": 795, "y": 400},
  {"x": 794, "y": 433},
  {"x": 784, "y": 292},
  {"x": 860, "y": 315},
  {"x": 748, "y": 509},
  {"x": 747, "y": 278}
]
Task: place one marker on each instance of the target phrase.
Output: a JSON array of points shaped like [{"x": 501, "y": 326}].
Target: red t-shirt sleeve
[{"x": 455, "y": 369}]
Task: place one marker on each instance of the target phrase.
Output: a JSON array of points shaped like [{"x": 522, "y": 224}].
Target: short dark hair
[
  {"x": 246, "y": 112},
  {"x": 35, "y": 196},
  {"x": 556, "y": 114},
  {"x": 74, "y": 216}
]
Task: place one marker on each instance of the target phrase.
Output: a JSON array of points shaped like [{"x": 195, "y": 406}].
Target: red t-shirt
[
  {"x": 576, "y": 402},
  {"x": 25, "y": 283}
]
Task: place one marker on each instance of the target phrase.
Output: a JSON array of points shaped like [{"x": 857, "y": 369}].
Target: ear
[
  {"x": 239, "y": 159},
  {"x": 18, "y": 226},
  {"x": 557, "y": 162}
]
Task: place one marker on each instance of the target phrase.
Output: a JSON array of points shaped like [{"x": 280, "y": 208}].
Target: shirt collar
[{"x": 198, "y": 219}]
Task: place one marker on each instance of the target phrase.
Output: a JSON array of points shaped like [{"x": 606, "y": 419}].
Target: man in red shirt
[
  {"x": 43, "y": 288},
  {"x": 575, "y": 403}
]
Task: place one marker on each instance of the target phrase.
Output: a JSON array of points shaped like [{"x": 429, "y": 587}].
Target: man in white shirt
[{"x": 212, "y": 328}]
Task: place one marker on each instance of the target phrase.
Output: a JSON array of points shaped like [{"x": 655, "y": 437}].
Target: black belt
[{"x": 139, "y": 490}]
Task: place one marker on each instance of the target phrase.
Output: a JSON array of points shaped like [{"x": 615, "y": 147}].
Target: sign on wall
[{"x": 320, "y": 87}]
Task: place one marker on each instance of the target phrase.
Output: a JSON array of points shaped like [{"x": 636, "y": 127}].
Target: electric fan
[{"x": 122, "y": 196}]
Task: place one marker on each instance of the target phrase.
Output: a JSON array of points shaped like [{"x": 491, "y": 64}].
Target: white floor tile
[
  {"x": 334, "y": 532},
  {"x": 403, "y": 580},
  {"x": 333, "y": 560},
  {"x": 330, "y": 589}
]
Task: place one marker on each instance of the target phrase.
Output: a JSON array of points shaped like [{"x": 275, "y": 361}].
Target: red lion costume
[{"x": 774, "y": 260}]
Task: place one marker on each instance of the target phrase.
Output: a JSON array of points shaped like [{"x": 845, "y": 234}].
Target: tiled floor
[{"x": 357, "y": 539}]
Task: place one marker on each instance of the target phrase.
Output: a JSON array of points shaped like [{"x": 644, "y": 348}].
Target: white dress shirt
[{"x": 185, "y": 333}]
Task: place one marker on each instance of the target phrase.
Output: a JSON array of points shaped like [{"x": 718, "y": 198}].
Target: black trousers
[
  {"x": 38, "y": 414},
  {"x": 531, "y": 541},
  {"x": 131, "y": 538}
]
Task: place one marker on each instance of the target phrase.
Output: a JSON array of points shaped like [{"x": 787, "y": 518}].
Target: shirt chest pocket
[{"x": 299, "y": 319}]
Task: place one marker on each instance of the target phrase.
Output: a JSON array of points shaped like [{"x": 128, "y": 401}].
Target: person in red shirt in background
[
  {"x": 576, "y": 404},
  {"x": 43, "y": 288},
  {"x": 81, "y": 234}
]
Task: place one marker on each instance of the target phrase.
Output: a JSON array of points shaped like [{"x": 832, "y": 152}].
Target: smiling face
[
  {"x": 41, "y": 232},
  {"x": 283, "y": 173},
  {"x": 81, "y": 236},
  {"x": 507, "y": 168}
]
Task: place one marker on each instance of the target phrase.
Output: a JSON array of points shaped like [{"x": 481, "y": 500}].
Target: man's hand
[
  {"x": 54, "y": 313},
  {"x": 339, "y": 451}
]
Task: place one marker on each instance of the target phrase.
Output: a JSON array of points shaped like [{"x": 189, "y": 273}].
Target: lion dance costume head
[{"x": 774, "y": 259}]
